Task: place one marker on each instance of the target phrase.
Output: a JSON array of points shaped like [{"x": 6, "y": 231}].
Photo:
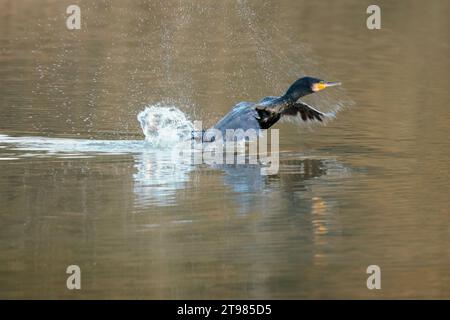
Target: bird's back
[{"x": 242, "y": 116}]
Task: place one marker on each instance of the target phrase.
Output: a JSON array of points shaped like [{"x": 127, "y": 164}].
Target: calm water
[{"x": 78, "y": 185}]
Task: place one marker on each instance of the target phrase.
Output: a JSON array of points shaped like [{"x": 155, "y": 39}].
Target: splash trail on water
[{"x": 164, "y": 128}]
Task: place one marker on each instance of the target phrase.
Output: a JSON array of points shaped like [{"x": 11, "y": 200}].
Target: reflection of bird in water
[
  {"x": 265, "y": 113},
  {"x": 248, "y": 183},
  {"x": 294, "y": 170},
  {"x": 159, "y": 175}
]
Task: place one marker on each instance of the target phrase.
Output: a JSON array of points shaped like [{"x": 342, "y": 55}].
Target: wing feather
[{"x": 303, "y": 112}]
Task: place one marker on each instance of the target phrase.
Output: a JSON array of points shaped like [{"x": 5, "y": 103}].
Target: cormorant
[{"x": 265, "y": 113}]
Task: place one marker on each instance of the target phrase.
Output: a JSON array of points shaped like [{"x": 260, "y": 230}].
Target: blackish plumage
[{"x": 265, "y": 113}]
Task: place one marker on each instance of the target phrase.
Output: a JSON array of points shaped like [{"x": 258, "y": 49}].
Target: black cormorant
[{"x": 265, "y": 113}]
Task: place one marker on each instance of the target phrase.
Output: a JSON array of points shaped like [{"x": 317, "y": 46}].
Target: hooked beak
[
  {"x": 322, "y": 85},
  {"x": 332, "y": 84}
]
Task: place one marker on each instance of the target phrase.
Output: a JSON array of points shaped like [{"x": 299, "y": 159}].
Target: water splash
[
  {"x": 160, "y": 169},
  {"x": 165, "y": 126}
]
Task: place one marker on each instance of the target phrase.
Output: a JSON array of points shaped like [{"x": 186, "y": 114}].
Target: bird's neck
[
  {"x": 295, "y": 93},
  {"x": 281, "y": 103},
  {"x": 288, "y": 99}
]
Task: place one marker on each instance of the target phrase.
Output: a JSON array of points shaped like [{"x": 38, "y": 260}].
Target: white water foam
[{"x": 165, "y": 126}]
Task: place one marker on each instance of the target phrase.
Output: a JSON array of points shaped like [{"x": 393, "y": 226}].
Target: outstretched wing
[
  {"x": 242, "y": 116},
  {"x": 300, "y": 111}
]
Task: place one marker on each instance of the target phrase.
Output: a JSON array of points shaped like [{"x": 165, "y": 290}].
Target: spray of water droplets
[{"x": 165, "y": 125}]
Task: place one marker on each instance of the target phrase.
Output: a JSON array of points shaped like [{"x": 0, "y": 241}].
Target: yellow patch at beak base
[{"x": 318, "y": 86}]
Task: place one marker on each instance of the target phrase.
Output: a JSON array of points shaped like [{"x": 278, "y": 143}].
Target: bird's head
[{"x": 307, "y": 85}]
